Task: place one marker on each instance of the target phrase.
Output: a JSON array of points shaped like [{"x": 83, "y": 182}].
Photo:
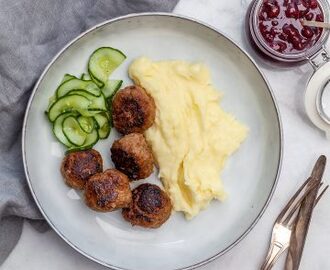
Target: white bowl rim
[{"x": 162, "y": 14}]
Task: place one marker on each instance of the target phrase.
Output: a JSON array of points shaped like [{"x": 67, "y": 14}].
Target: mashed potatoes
[{"x": 192, "y": 136}]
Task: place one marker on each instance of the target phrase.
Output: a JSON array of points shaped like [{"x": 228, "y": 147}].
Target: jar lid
[{"x": 317, "y": 95}]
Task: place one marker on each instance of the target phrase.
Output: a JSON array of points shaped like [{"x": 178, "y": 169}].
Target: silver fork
[{"x": 285, "y": 221}]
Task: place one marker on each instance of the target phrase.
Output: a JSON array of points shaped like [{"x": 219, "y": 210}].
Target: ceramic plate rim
[{"x": 144, "y": 14}]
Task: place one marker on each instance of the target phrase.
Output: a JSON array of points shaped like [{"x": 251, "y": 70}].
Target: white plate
[{"x": 250, "y": 175}]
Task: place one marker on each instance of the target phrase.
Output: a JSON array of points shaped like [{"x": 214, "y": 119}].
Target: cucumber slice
[
  {"x": 97, "y": 103},
  {"x": 104, "y": 131},
  {"x": 73, "y": 132},
  {"x": 67, "y": 104},
  {"x": 67, "y": 77},
  {"x": 51, "y": 101},
  {"x": 109, "y": 112},
  {"x": 103, "y": 125},
  {"x": 77, "y": 84},
  {"x": 90, "y": 141},
  {"x": 85, "y": 77},
  {"x": 53, "y": 98},
  {"x": 58, "y": 131},
  {"x": 103, "y": 62},
  {"x": 87, "y": 124},
  {"x": 97, "y": 82},
  {"x": 101, "y": 119},
  {"x": 111, "y": 87}
]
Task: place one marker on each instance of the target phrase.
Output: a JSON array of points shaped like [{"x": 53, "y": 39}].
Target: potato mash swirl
[{"x": 192, "y": 136}]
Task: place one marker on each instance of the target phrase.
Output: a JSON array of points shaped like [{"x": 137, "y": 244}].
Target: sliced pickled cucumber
[
  {"x": 104, "y": 131},
  {"x": 103, "y": 124},
  {"x": 97, "y": 103},
  {"x": 103, "y": 62},
  {"x": 85, "y": 77},
  {"x": 67, "y": 77},
  {"x": 53, "y": 98},
  {"x": 69, "y": 103},
  {"x": 101, "y": 119},
  {"x": 87, "y": 124},
  {"x": 97, "y": 82},
  {"x": 58, "y": 130},
  {"x": 80, "y": 109},
  {"x": 77, "y": 84},
  {"x": 51, "y": 101},
  {"x": 90, "y": 141},
  {"x": 111, "y": 87},
  {"x": 73, "y": 132}
]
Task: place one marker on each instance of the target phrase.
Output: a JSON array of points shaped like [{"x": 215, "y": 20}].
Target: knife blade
[{"x": 299, "y": 233}]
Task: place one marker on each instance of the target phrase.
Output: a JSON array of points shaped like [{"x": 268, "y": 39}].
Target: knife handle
[
  {"x": 298, "y": 235},
  {"x": 302, "y": 222}
]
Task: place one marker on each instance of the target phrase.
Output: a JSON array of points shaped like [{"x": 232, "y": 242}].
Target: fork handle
[{"x": 275, "y": 250}]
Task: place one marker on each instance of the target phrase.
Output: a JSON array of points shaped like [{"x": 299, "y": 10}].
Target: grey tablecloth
[{"x": 31, "y": 33}]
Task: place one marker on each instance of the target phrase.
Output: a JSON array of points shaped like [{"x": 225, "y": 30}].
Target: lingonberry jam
[{"x": 280, "y": 25}]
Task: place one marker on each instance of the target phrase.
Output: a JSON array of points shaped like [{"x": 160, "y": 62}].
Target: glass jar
[
  {"x": 255, "y": 12},
  {"x": 317, "y": 95}
]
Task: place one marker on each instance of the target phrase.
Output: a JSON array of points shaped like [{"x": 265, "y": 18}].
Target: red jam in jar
[{"x": 280, "y": 26}]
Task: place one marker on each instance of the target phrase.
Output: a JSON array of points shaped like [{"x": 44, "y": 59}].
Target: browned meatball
[
  {"x": 108, "y": 191},
  {"x": 132, "y": 156},
  {"x": 150, "y": 207},
  {"x": 78, "y": 167},
  {"x": 133, "y": 110}
]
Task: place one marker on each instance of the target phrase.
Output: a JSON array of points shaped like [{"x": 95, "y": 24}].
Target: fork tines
[{"x": 285, "y": 217}]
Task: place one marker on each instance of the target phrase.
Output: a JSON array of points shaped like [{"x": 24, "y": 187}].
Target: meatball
[
  {"x": 78, "y": 167},
  {"x": 133, "y": 110},
  {"x": 150, "y": 207},
  {"x": 132, "y": 156},
  {"x": 108, "y": 191}
]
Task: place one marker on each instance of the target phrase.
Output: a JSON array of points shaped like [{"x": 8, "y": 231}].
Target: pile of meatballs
[{"x": 133, "y": 112}]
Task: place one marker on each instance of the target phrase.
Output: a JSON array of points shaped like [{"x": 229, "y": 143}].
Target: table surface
[{"x": 303, "y": 143}]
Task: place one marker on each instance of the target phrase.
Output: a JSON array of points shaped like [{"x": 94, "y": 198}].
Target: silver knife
[{"x": 298, "y": 236}]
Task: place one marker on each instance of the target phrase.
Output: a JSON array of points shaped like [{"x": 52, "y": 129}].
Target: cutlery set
[{"x": 291, "y": 226}]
